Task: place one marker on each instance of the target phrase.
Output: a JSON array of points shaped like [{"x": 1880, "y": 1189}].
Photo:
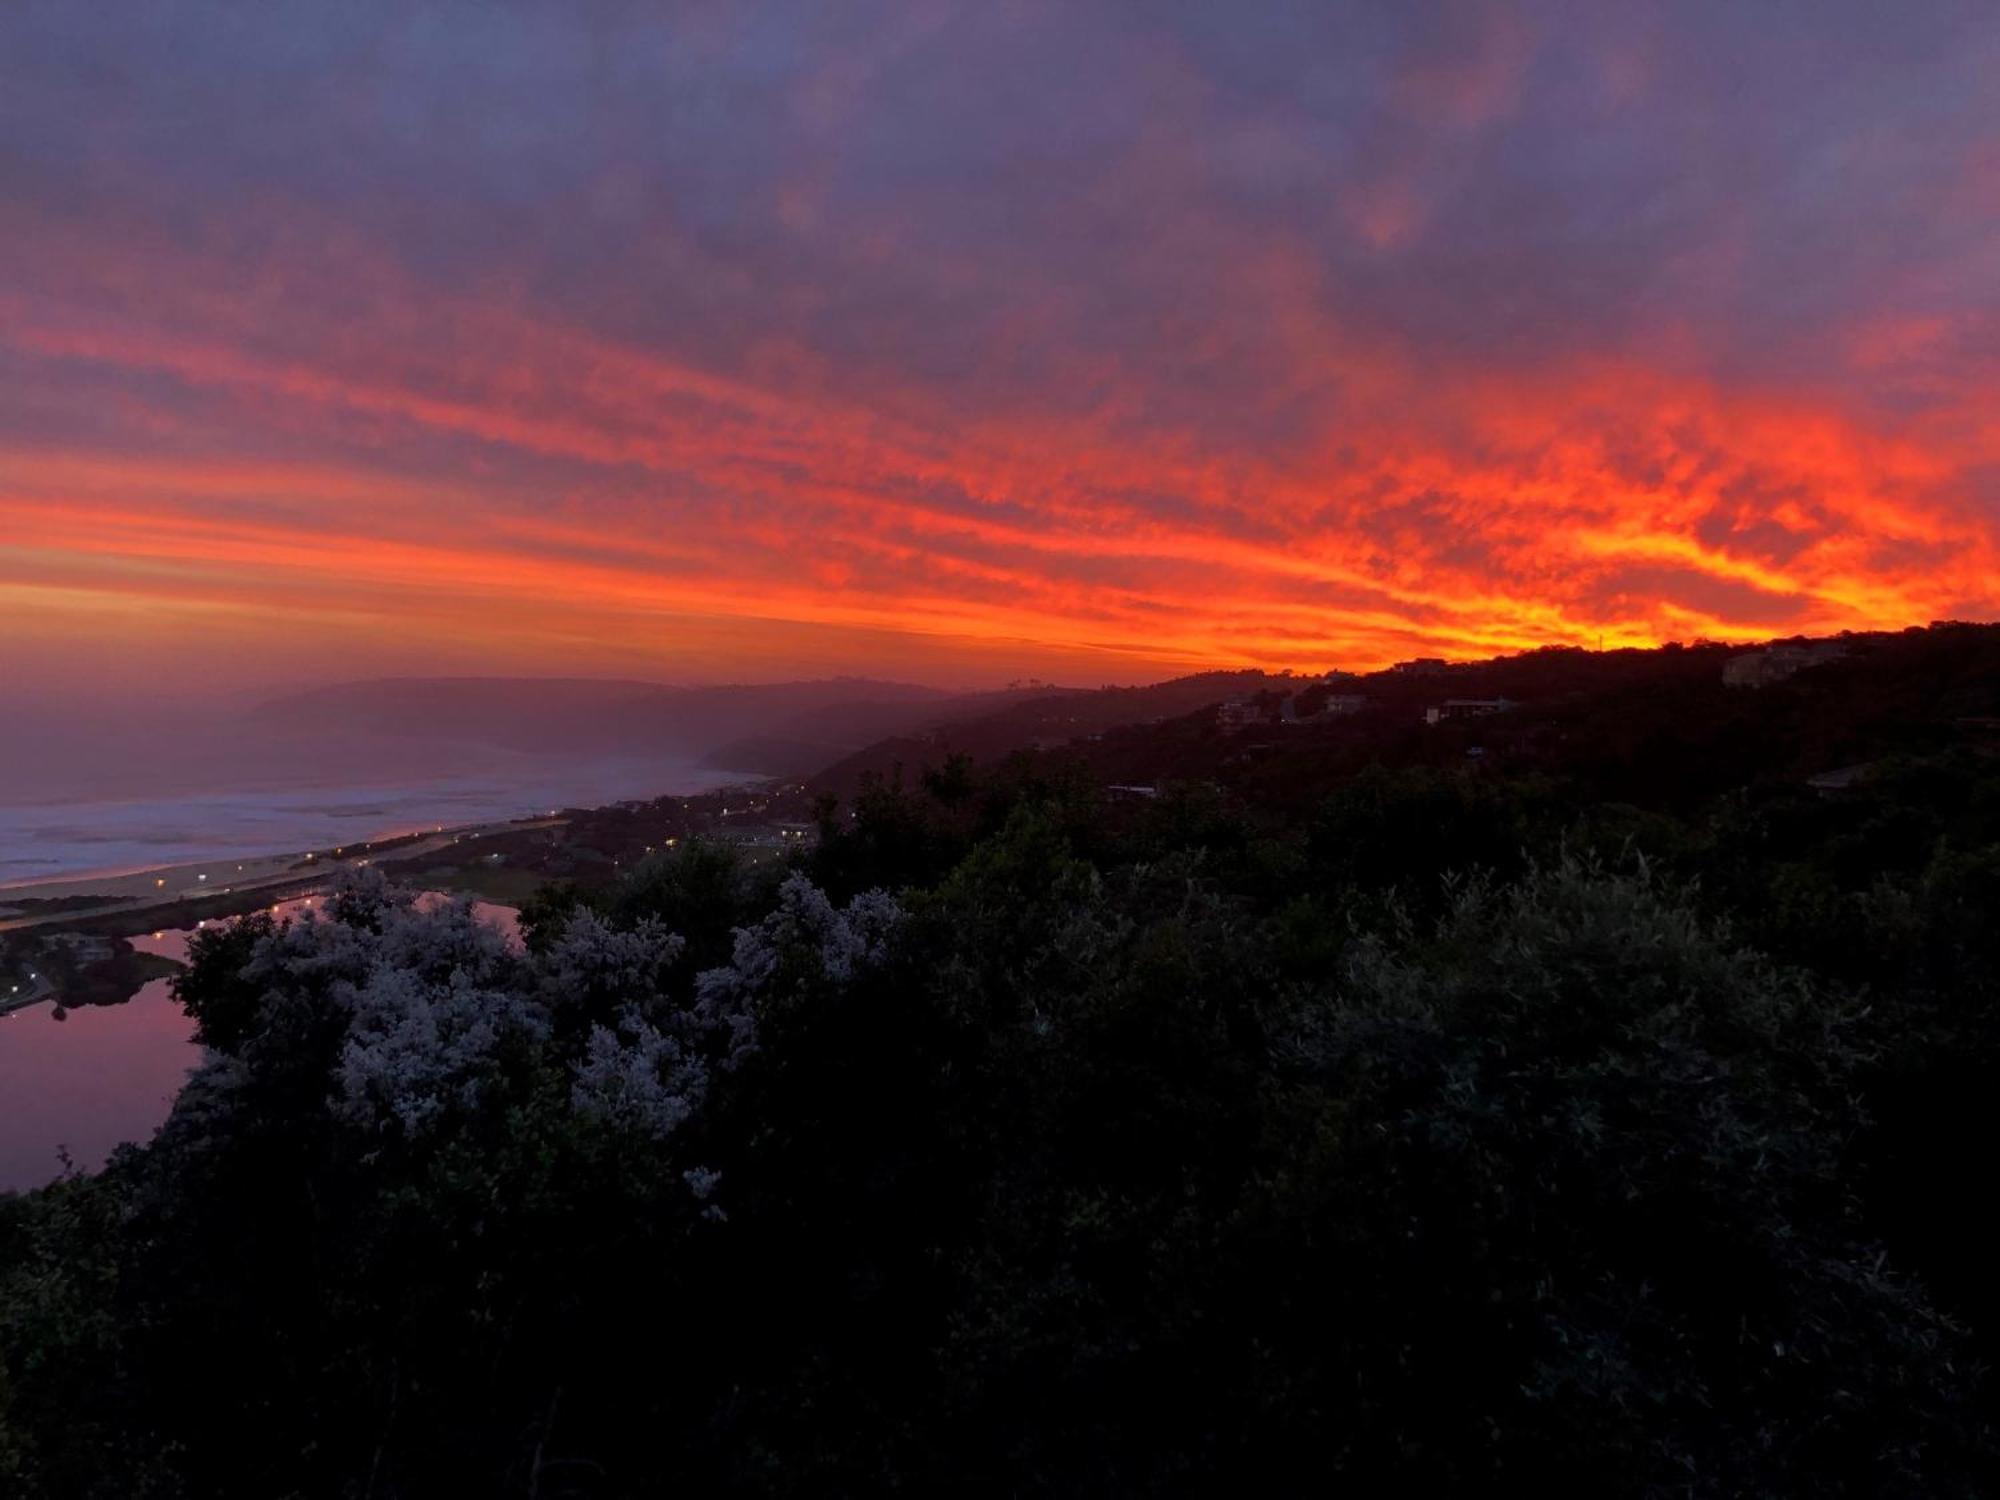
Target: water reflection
[
  {"x": 108, "y": 1073},
  {"x": 173, "y": 942},
  {"x": 101, "y": 1075}
]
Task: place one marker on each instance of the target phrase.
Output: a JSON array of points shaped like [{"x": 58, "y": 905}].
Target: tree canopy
[{"x": 1462, "y": 1135}]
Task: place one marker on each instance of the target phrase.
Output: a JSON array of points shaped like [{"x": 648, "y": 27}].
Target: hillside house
[
  {"x": 1843, "y": 779},
  {"x": 1334, "y": 706},
  {"x": 1454, "y": 709},
  {"x": 1755, "y": 669},
  {"x": 1239, "y": 713}
]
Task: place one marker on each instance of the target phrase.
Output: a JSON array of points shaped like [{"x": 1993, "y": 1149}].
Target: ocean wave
[{"x": 91, "y": 838}]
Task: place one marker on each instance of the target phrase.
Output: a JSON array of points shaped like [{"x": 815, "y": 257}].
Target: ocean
[{"x": 60, "y": 836}]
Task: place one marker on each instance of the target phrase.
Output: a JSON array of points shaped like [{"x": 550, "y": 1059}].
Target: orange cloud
[{"x": 309, "y": 442}]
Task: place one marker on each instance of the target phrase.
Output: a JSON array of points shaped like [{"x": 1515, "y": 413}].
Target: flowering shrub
[{"x": 1090, "y": 1166}]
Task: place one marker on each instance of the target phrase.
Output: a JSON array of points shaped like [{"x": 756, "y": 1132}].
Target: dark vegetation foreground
[{"x": 1611, "y": 1121}]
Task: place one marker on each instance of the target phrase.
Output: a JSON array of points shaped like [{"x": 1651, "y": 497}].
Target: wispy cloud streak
[{"x": 959, "y": 338}]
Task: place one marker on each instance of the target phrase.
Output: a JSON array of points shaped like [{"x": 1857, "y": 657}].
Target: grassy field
[{"x": 503, "y": 884}]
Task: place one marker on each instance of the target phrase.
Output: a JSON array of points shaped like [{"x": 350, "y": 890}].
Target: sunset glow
[{"x": 988, "y": 339}]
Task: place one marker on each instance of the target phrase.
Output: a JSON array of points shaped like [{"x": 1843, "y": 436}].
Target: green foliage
[
  {"x": 702, "y": 890},
  {"x": 1460, "y": 1134},
  {"x": 221, "y": 999},
  {"x": 1614, "y": 1139}
]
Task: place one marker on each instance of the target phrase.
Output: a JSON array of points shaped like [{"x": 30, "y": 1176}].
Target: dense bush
[{"x": 1017, "y": 1142}]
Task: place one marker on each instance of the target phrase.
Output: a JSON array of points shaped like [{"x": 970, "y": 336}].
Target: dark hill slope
[
  {"x": 1654, "y": 728},
  {"x": 809, "y": 741},
  {"x": 1042, "y": 721}
]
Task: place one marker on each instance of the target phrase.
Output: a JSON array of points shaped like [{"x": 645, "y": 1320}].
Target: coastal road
[
  {"x": 148, "y": 890},
  {"x": 40, "y": 988}
]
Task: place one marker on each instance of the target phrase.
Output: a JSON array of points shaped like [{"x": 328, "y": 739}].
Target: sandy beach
[{"x": 137, "y": 890}]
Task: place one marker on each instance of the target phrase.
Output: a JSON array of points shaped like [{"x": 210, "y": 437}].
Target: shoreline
[
  {"x": 132, "y": 892},
  {"x": 74, "y": 844},
  {"x": 114, "y": 879},
  {"x": 40, "y": 992}
]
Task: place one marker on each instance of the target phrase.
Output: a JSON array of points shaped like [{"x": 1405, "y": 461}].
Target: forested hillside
[{"x": 1587, "y": 1116}]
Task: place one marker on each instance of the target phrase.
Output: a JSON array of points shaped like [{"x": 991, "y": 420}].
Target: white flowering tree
[
  {"x": 411, "y": 1023},
  {"x": 650, "y": 1075},
  {"x": 805, "y": 940}
]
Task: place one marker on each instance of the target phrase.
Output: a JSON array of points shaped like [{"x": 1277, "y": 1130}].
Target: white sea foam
[{"x": 76, "y": 836}]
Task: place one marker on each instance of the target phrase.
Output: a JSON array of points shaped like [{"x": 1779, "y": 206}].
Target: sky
[{"x": 959, "y": 343}]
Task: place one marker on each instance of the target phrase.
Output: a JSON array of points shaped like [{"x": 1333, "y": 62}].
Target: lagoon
[{"x": 79, "y": 1082}]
